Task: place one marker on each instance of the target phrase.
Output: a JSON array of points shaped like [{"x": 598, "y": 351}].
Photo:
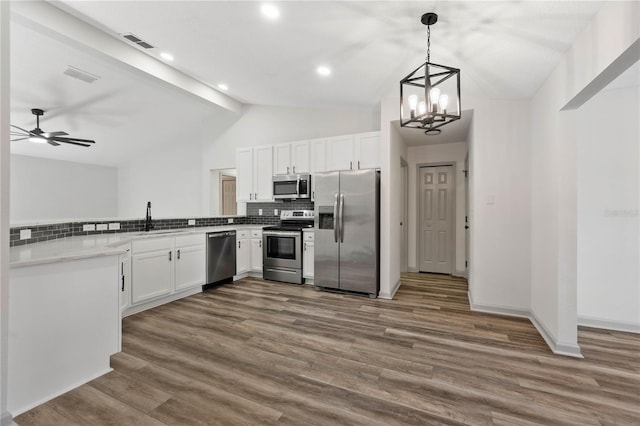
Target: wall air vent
[
  {"x": 85, "y": 76},
  {"x": 137, "y": 40}
]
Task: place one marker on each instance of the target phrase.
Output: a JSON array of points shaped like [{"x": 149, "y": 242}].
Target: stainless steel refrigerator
[{"x": 347, "y": 231}]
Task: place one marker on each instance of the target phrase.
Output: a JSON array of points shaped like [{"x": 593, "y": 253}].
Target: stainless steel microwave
[{"x": 291, "y": 187}]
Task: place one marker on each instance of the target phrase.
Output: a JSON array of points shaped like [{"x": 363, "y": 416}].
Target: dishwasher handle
[{"x": 221, "y": 234}]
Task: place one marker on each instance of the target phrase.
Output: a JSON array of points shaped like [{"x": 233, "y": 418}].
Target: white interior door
[
  {"x": 436, "y": 219},
  {"x": 404, "y": 235}
]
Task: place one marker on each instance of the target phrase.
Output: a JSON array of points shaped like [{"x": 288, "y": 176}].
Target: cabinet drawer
[
  {"x": 308, "y": 235},
  {"x": 242, "y": 234},
  {"x": 189, "y": 240},
  {"x": 256, "y": 233},
  {"x": 151, "y": 244}
]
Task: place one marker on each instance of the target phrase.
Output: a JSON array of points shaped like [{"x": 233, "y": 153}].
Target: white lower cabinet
[
  {"x": 125, "y": 281},
  {"x": 308, "y": 253},
  {"x": 190, "y": 265},
  {"x": 256, "y": 250},
  {"x": 243, "y": 252},
  {"x": 166, "y": 265}
]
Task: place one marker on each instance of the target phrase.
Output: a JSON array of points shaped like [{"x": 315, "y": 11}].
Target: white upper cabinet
[
  {"x": 291, "y": 158},
  {"x": 263, "y": 173},
  {"x": 254, "y": 167},
  {"x": 244, "y": 178},
  {"x": 318, "y": 155},
  {"x": 339, "y": 153},
  {"x": 367, "y": 151}
]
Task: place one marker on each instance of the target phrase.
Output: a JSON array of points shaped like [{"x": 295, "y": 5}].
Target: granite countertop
[{"x": 81, "y": 247}]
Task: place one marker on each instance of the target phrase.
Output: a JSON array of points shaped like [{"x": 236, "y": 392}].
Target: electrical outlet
[
  {"x": 25, "y": 234},
  {"x": 275, "y": 212},
  {"x": 259, "y": 212},
  {"x": 191, "y": 222},
  {"x": 102, "y": 227},
  {"x": 115, "y": 226},
  {"x": 89, "y": 227},
  {"x": 230, "y": 220}
]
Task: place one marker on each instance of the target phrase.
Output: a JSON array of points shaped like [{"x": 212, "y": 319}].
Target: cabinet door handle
[
  {"x": 178, "y": 254},
  {"x": 260, "y": 243},
  {"x": 287, "y": 169},
  {"x": 350, "y": 165},
  {"x": 255, "y": 196},
  {"x": 169, "y": 256},
  {"x": 123, "y": 283},
  {"x": 239, "y": 246},
  {"x": 305, "y": 246},
  {"x": 294, "y": 170},
  {"x": 250, "y": 196},
  {"x": 358, "y": 164}
]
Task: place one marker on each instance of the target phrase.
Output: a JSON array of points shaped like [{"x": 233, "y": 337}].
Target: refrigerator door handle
[
  {"x": 335, "y": 217},
  {"x": 342, "y": 218}
]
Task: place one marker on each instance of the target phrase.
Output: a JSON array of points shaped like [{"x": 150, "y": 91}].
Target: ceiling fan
[{"x": 52, "y": 138}]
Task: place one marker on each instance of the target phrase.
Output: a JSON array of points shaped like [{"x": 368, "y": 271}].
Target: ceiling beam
[{"x": 58, "y": 24}]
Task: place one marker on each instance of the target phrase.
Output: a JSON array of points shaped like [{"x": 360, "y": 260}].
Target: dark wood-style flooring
[{"x": 258, "y": 353}]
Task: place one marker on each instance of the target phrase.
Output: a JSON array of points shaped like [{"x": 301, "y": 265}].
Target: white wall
[
  {"x": 608, "y": 204},
  {"x": 170, "y": 177},
  {"x": 499, "y": 164},
  {"x": 428, "y": 154},
  {"x": 392, "y": 149},
  {"x": 43, "y": 189},
  {"x": 554, "y": 175}
]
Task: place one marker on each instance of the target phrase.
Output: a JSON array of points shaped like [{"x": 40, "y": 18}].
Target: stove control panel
[{"x": 296, "y": 214}]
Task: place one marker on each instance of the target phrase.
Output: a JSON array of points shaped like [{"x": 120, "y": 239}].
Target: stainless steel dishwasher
[{"x": 221, "y": 256}]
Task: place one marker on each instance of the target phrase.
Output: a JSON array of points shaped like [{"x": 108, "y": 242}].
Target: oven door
[{"x": 282, "y": 249}]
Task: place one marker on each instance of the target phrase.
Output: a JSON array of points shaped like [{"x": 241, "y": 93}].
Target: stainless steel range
[{"x": 282, "y": 246}]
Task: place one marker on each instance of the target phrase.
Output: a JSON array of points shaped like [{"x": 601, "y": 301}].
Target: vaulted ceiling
[{"x": 504, "y": 49}]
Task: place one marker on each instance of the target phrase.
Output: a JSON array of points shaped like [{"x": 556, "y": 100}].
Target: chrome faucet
[{"x": 147, "y": 220}]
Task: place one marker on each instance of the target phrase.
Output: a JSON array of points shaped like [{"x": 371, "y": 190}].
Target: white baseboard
[
  {"x": 628, "y": 327},
  {"x": 56, "y": 394},
  {"x": 161, "y": 301},
  {"x": 413, "y": 270},
  {"x": 556, "y": 347},
  {"x": 7, "y": 420},
  {"x": 389, "y": 296},
  {"x": 460, "y": 274}
]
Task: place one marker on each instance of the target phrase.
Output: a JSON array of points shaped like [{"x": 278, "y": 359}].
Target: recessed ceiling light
[
  {"x": 323, "y": 70},
  {"x": 270, "y": 11},
  {"x": 223, "y": 87},
  {"x": 166, "y": 56}
]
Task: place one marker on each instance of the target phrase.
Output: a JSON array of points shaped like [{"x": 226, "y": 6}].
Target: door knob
[{"x": 466, "y": 227}]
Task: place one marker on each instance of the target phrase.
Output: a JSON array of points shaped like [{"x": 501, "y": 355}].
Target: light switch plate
[
  {"x": 191, "y": 222},
  {"x": 25, "y": 234},
  {"x": 275, "y": 212},
  {"x": 89, "y": 227},
  {"x": 230, "y": 220},
  {"x": 114, "y": 226},
  {"x": 102, "y": 227}
]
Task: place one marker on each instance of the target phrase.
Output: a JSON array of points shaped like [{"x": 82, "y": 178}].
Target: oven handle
[
  {"x": 335, "y": 217},
  {"x": 282, "y": 233}
]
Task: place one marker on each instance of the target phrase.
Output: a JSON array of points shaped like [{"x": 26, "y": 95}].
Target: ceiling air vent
[
  {"x": 137, "y": 40},
  {"x": 85, "y": 76}
]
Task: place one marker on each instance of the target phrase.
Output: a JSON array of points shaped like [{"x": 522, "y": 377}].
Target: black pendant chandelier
[{"x": 430, "y": 95}]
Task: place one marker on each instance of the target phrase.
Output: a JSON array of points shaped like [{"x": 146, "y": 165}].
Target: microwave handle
[{"x": 298, "y": 186}]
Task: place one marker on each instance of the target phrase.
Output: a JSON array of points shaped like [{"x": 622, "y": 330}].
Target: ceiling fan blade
[
  {"x": 20, "y": 139},
  {"x": 28, "y": 132},
  {"x": 66, "y": 140},
  {"x": 61, "y": 139},
  {"x": 51, "y": 134},
  {"x": 50, "y": 142}
]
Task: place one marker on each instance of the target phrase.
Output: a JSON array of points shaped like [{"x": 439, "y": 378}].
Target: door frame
[
  {"x": 404, "y": 216},
  {"x": 453, "y": 211}
]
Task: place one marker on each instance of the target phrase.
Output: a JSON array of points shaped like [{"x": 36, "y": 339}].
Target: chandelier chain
[{"x": 428, "y": 43}]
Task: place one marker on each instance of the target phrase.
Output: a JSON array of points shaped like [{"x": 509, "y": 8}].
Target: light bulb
[
  {"x": 422, "y": 108},
  {"x": 435, "y": 94},
  {"x": 444, "y": 101},
  {"x": 413, "y": 102}
]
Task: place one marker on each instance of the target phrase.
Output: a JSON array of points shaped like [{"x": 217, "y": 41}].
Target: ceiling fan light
[{"x": 37, "y": 139}]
